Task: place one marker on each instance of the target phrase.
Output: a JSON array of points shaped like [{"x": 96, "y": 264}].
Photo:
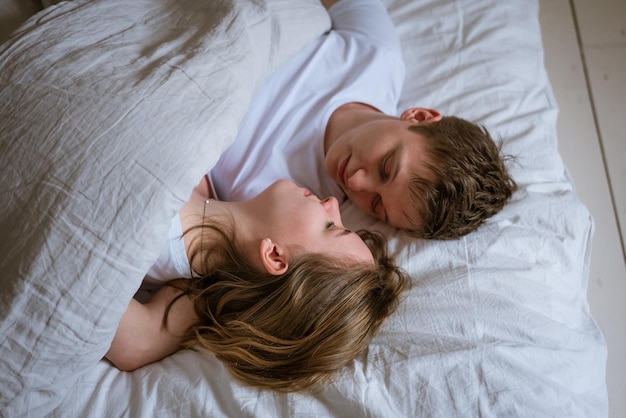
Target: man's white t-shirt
[{"x": 282, "y": 136}]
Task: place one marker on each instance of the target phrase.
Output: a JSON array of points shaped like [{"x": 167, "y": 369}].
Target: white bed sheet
[{"x": 496, "y": 323}]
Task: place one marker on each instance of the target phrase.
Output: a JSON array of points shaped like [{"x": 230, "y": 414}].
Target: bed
[{"x": 101, "y": 103}]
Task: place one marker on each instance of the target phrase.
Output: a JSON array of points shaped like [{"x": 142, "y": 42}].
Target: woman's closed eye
[{"x": 342, "y": 230}]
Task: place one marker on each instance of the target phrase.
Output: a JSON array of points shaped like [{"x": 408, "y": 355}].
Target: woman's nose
[{"x": 330, "y": 203}]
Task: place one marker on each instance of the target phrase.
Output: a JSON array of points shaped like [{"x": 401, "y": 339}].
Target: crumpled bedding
[{"x": 112, "y": 111}]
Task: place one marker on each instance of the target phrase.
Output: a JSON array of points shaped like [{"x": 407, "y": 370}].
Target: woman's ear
[
  {"x": 273, "y": 257},
  {"x": 421, "y": 115}
]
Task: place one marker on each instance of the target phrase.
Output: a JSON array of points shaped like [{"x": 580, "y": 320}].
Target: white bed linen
[{"x": 496, "y": 323}]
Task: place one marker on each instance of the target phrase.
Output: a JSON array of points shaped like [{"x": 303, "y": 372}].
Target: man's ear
[
  {"x": 420, "y": 115},
  {"x": 273, "y": 257}
]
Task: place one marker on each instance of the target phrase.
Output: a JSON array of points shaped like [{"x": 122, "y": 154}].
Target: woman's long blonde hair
[{"x": 293, "y": 331}]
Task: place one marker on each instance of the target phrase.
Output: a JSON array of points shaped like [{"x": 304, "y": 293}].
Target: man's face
[{"x": 374, "y": 162}]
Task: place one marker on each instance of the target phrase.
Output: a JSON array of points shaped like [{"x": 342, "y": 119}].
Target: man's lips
[{"x": 341, "y": 172}]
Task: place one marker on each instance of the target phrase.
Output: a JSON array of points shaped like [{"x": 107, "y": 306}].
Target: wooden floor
[{"x": 585, "y": 54}]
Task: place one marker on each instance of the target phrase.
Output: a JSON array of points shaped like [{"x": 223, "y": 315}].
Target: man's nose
[{"x": 360, "y": 181}]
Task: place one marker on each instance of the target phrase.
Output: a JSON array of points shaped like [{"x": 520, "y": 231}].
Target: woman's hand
[{"x": 141, "y": 338}]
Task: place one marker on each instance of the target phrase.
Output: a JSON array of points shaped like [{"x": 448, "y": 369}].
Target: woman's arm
[{"x": 141, "y": 338}]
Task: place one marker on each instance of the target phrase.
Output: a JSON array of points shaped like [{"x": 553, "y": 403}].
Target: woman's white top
[{"x": 173, "y": 262}]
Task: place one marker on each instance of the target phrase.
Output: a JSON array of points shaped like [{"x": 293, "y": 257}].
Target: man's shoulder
[{"x": 366, "y": 20}]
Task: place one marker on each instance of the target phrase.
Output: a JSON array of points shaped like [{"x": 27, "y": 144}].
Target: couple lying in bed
[{"x": 276, "y": 287}]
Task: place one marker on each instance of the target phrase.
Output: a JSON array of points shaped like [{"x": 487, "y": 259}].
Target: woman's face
[{"x": 297, "y": 219}]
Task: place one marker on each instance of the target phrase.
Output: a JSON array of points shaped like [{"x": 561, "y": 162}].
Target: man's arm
[
  {"x": 141, "y": 338},
  {"x": 367, "y": 18}
]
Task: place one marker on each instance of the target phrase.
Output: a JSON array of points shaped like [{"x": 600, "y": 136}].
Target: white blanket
[{"x": 110, "y": 113}]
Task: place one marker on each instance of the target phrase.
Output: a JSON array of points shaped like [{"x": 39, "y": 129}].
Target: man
[{"x": 325, "y": 120}]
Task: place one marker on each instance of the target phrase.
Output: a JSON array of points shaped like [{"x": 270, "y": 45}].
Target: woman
[{"x": 279, "y": 290}]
